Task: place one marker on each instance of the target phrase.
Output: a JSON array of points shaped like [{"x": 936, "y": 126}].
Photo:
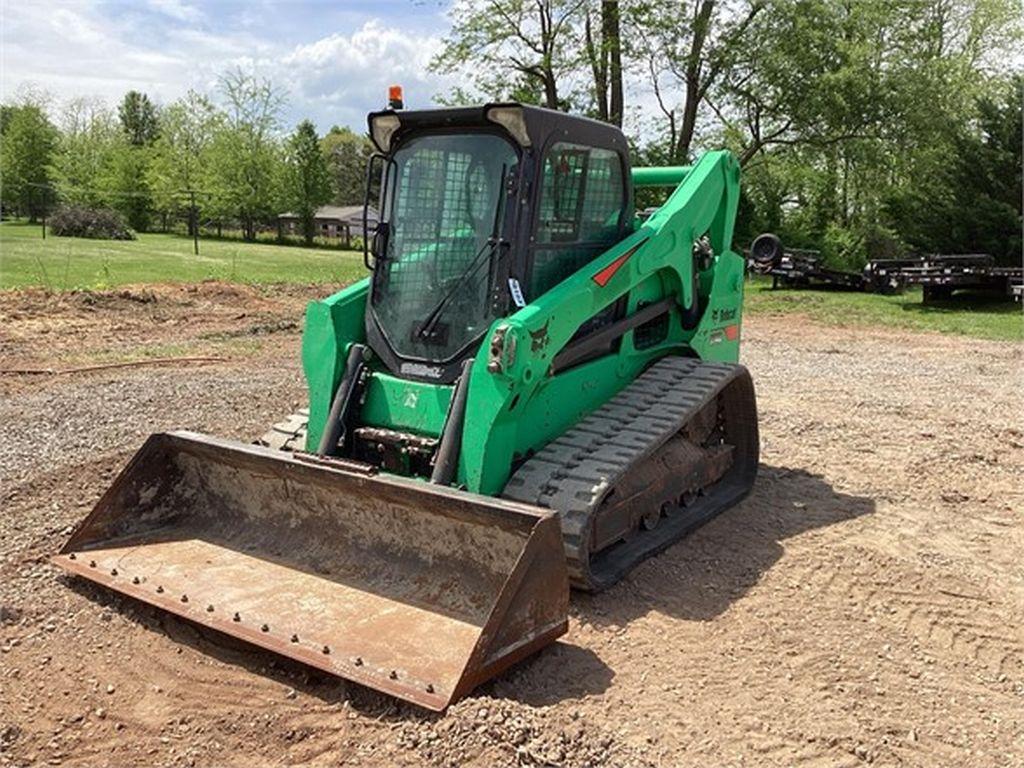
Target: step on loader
[{"x": 533, "y": 388}]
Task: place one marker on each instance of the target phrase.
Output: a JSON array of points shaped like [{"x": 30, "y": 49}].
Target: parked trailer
[
  {"x": 940, "y": 275},
  {"x": 886, "y": 275},
  {"x": 891, "y": 275},
  {"x": 798, "y": 267}
]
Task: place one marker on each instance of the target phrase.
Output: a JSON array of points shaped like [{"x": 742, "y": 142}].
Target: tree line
[
  {"x": 866, "y": 128},
  {"x": 223, "y": 157}
]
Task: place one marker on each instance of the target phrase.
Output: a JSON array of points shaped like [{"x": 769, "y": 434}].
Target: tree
[
  {"x": 180, "y": 161},
  {"x": 970, "y": 201},
  {"x": 244, "y": 153},
  {"x": 124, "y": 182},
  {"x": 533, "y": 38},
  {"x": 7, "y": 112},
  {"x": 983, "y": 181},
  {"x": 862, "y": 125},
  {"x": 346, "y": 153},
  {"x": 138, "y": 118},
  {"x": 126, "y": 177},
  {"x": 27, "y": 145},
  {"x": 89, "y": 137},
  {"x": 96, "y": 164},
  {"x": 605, "y": 58},
  {"x": 686, "y": 54},
  {"x": 307, "y": 181}
]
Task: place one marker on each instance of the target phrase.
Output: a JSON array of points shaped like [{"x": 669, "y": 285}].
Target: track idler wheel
[{"x": 650, "y": 520}]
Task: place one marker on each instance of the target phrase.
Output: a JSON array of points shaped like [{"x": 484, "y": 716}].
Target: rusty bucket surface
[{"x": 417, "y": 590}]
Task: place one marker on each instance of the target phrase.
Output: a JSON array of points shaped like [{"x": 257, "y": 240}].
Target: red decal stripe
[
  {"x": 732, "y": 332},
  {"x": 606, "y": 274}
]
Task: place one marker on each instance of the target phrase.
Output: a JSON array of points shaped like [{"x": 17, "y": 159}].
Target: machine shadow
[
  {"x": 976, "y": 302},
  {"x": 558, "y": 673},
  {"x": 696, "y": 579},
  {"x": 699, "y": 577}
]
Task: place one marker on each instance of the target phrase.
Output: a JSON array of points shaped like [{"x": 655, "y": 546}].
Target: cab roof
[{"x": 538, "y": 125}]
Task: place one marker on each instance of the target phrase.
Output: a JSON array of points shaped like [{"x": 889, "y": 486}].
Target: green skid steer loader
[{"x": 533, "y": 389}]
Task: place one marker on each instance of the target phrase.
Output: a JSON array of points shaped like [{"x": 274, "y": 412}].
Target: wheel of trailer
[
  {"x": 766, "y": 252},
  {"x": 288, "y": 434}
]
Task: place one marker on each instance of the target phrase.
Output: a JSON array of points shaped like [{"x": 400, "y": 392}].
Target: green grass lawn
[
  {"x": 65, "y": 263},
  {"x": 979, "y": 316}
]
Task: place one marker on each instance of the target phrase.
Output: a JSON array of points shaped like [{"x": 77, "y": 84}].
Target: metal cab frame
[{"x": 533, "y": 131}]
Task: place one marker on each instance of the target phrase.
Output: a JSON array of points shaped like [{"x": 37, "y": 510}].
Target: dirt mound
[
  {"x": 497, "y": 732},
  {"x": 44, "y": 330}
]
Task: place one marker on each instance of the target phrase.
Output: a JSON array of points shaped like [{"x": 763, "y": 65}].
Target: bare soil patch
[
  {"x": 864, "y": 605},
  {"x": 41, "y": 329}
]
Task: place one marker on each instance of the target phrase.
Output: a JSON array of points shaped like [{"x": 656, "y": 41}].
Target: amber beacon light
[{"x": 395, "y": 97}]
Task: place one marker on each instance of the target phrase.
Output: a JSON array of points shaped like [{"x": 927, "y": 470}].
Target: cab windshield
[{"x": 447, "y": 198}]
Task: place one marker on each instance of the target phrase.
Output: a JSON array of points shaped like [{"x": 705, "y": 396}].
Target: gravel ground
[{"x": 864, "y": 605}]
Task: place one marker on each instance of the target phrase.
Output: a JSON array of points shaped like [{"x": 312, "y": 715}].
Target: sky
[{"x": 334, "y": 58}]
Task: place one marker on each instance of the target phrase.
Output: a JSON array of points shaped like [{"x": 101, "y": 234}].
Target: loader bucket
[{"x": 417, "y": 590}]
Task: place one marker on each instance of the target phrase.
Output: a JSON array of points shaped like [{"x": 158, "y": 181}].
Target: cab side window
[{"x": 582, "y": 202}]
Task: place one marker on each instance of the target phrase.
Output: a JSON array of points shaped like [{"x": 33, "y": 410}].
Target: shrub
[{"x": 97, "y": 223}]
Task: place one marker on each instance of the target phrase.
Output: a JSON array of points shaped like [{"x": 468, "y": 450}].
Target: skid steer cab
[{"x": 532, "y": 388}]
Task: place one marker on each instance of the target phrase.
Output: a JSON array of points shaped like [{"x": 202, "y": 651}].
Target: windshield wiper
[
  {"x": 492, "y": 242},
  {"x": 435, "y": 314}
]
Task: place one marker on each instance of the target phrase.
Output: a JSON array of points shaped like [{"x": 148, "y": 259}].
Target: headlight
[
  {"x": 512, "y": 120},
  {"x": 382, "y": 128}
]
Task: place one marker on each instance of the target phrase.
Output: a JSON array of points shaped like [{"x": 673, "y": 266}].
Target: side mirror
[
  {"x": 379, "y": 248},
  {"x": 378, "y": 167}
]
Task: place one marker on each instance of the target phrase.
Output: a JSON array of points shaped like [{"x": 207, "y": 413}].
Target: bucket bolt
[
  {"x": 72, "y": 556},
  {"x": 393, "y": 675},
  {"x": 358, "y": 661},
  {"x": 184, "y": 598},
  {"x": 92, "y": 563},
  {"x": 113, "y": 571},
  {"x": 135, "y": 580},
  {"x": 295, "y": 638},
  {"x": 326, "y": 649},
  {"x": 265, "y": 628},
  {"x": 209, "y": 609},
  {"x": 159, "y": 590},
  {"x": 236, "y": 617}
]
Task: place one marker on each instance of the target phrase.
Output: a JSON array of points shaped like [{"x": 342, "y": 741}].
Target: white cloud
[
  {"x": 177, "y": 9},
  {"x": 80, "y": 48},
  {"x": 347, "y": 75},
  {"x": 73, "y": 50}
]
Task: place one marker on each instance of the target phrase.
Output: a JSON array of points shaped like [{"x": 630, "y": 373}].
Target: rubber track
[
  {"x": 289, "y": 434},
  {"x": 573, "y": 473}
]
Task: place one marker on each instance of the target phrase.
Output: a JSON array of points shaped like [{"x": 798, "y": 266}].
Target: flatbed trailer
[
  {"x": 798, "y": 267},
  {"x": 941, "y": 275}
]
